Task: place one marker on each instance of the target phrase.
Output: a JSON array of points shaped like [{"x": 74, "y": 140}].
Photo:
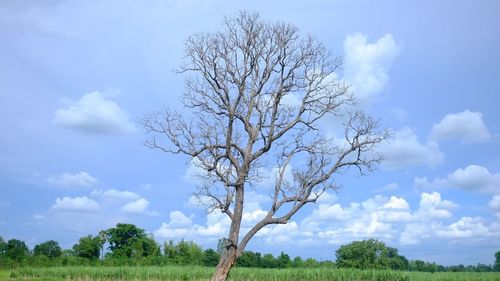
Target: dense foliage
[
  {"x": 127, "y": 244},
  {"x": 370, "y": 254},
  {"x": 50, "y": 249}
]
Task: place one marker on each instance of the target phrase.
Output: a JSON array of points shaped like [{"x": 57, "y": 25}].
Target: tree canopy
[
  {"x": 370, "y": 254},
  {"x": 127, "y": 240},
  {"x": 88, "y": 247},
  {"x": 16, "y": 249},
  {"x": 49, "y": 249}
]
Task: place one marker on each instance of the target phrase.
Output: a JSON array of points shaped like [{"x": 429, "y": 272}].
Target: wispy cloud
[{"x": 80, "y": 179}]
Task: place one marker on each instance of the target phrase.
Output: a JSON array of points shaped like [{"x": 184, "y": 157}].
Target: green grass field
[{"x": 244, "y": 274}]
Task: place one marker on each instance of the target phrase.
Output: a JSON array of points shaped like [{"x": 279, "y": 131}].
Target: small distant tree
[
  {"x": 268, "y": 261},
  {"x": 169, "y": 250},
  {"x": 497, "y": 261},
  {"x": 283, "y": 260},
  {"x": 310, "y": 263},
  {"x": 88, "y": 247},
  {"x": 297, "y": 262},
  {"x": 250, "y": 259},
  {"x": 49, "y": 249},
  {"x": 210, "y": 257},
  {"x": 417, "y": 265},
  {"x": 258, "y": 94},
  {"x": 3, "y": 246},
  {"x": 16, "y": 250},
  {"x": 188, "y": 252}
]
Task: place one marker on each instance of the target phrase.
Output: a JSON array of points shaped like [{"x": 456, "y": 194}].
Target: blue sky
[{"x": 76, "y": 77}]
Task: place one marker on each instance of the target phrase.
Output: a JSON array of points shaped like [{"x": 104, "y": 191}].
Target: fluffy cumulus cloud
[
  {"x": 466, "y": 227},
  {"x": 94, "y": 113},
  {"x": 181, "y": 226},
  {"x": 471, "y": 178},
  {"x": 387, "y": 218},
  {"x": 466, "y": 126},
  {"x": 366, "y": 65},
  {"x": 494, "y": 204},
  {"x": 106, "y": 201},
  {"x": 404, "y": 149},
  {"x": 139, "y": 206},
  {"x": 83, "y": 203},
  {"x": 433, "y": 207},
  {"x": 81, "y": 179}
]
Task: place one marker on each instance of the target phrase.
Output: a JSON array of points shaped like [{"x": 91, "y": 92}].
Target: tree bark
[{"x": 226, "y": 262}]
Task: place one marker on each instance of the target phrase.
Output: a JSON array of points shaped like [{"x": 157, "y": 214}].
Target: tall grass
[{"x": 177, "y": 273}]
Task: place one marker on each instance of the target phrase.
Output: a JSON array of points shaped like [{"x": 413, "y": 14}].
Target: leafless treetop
[{"x": 257, "y": 93}]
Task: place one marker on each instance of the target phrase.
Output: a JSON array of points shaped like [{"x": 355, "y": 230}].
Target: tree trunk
[{"x": 226, "y": 262}]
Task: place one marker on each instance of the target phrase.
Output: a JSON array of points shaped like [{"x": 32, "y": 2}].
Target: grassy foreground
[{"x": 154, "y": 273}]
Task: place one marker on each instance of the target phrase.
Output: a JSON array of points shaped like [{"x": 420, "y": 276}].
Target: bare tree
[{"x": 258, "y": 94}]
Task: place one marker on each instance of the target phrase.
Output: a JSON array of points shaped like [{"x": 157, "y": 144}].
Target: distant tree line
[{"x": 127, "y": 244}]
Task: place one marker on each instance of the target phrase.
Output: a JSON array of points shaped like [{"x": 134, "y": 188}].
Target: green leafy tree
[
  {"x": 88, "y": 247},
  {"x": 16, "y": 250},
  {"x": 3, "y": 246},
  {"x": 127, "y": 240},
  {"x": 311, "y": 263},
  {"x": 297, "y": 262},
  {"x": 49, "y": 249},
  {"x": 210, "y": 257},
  {"x": 187, "y": 252},
  {"x": 268, "y": 261},
  {"x": 250, "y": 259},
  {"x": 370, "y": 254},
  {"x": 283, "y": 260},
  {"x": 169, "y": 250},
  {"x": 497, "y": 262}
]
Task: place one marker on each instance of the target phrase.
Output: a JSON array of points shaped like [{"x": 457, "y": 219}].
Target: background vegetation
[{"x": 110, "y": 253}]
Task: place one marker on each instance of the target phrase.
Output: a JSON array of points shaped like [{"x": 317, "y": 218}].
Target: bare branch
[{"x": 258, "y": 92}]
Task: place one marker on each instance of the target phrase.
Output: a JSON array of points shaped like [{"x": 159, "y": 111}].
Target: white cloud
[
  {"x": 433, "y": 207},
  {"x": 139, "y": 206},
  {"x": 178, "y": 219},
  {"x": 75, "y": 204},
  {"x": 404, "y": 149},
  {"x": 335, "y": 212},
  {"x": 131, "y": 202},
  {"x": 113, "y": 194},
  {"x": 397, "y": 203},
  {"x": 181, "y": 226},
  {"x": 94, "y": 114},
  {"x": 466, "y": 227},
  {"x": 387, "y": 218},
  {"x": 414, "y": 233},
  {"x": 366, "y": 65},
  {"x": 494, "y": 204},
  {"x": 467, "y": 126},
  {"x": 401, "y": 115},
  {"x": 81, "y": 179},
  {"x": 471, "y": 178},
  {"x": 374, "y": 217},
  {"x": 389, "y": 187},
  {"x": 327, "y": 197}
]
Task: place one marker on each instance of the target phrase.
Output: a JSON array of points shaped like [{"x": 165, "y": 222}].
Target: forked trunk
[{"x": 226, "y": 262}]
